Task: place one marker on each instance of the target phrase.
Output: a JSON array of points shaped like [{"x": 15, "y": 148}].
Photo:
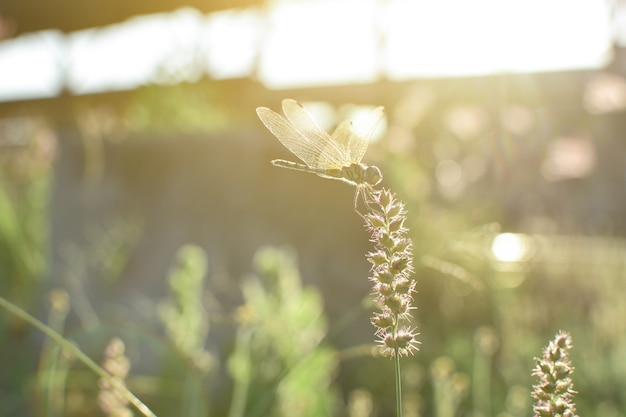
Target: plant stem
[
  {"x": 79, "y": 354},
  {"x": 241, "y": 378},
  {"x": 396, "y": 361}
]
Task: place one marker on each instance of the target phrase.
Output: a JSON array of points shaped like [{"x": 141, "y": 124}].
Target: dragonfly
[{"x": 336, "y": 156}]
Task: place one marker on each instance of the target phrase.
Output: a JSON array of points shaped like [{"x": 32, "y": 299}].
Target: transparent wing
[
  {"x": 332, "y": 154},
  {"x": 354, "y": 140},
  {"x": 342, "y": 135},
  {"x": 308, "y": 150}
]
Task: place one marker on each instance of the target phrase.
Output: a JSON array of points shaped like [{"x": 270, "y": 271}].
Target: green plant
[
  {"x": 187, "y": 326},
  {"x": 75, "y": 351},
  {"x": 275, "y": 372},
  {"x": 26, "y": 154},
  {"x": 182, "y": 314},
  {"x": 449, "y": 387}
]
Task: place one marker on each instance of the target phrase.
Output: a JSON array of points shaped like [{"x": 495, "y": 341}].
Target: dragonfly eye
[{"x": 372, "y": 175}]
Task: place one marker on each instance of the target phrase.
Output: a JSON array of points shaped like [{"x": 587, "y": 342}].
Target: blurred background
[{"x": 137, "y": 201}]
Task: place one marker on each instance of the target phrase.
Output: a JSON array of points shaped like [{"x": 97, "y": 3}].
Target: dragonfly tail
[
  {"x": 291, "y": 165},
  {"x": 304, "y": 168}
]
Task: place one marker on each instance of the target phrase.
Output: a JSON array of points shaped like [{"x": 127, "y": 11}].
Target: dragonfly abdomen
[
  {"x": 326, "y": 173},
  {"x": 305, "y": 168},
  {"x": 354, "y": 174},
  {"x": 291, "y": 165}
]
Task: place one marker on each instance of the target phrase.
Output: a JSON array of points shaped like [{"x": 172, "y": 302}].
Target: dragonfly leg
[
  {"x": 356, "y": 202},
  {"x": 366, "y": 193}
]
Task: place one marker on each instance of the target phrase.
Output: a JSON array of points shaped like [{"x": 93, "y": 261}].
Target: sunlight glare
[
  {"x": 236, "y": 57},
  {"x": 284, "y": 45},
  {"x": 460, "y": 38},
  {"x": 30, "y": 66},
  {"x": 300, "y": 52},
  {"x": 133, "y": 53}
]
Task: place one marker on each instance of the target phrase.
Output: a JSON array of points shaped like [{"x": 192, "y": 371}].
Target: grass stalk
[
  {"x": 396, "y": 361},
  {"x": 64, "y": 343}
]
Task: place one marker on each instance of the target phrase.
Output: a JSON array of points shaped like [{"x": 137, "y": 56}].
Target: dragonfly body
[
  {"x": 335, "y": 156},
  {"x": 355, "y": 174}
]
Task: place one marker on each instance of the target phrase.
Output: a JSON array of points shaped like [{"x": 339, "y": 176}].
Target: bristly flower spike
[
  {"x": 554, "y": 393},
  {"x": 117, "y": 364},
  {"x": 391, "y": 273}
]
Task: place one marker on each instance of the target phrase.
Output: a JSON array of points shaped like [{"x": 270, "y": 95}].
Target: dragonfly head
[{"x": 372, "y": 176}]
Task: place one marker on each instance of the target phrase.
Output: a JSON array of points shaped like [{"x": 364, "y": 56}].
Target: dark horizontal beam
[
  {"x": 72, "y": 15},
  {"x": 551, "y": 90}
]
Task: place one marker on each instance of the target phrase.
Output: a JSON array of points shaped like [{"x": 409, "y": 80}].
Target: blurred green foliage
[
  {"x": 183, "y": 315},
  {"x": 187, "y": 327},
  {"x": 280, "y": 366},
  {"x": 25, "y": 161},
  {"x": 481, "y": 321},
  {"x": 26, "y": 152},
  {"x": 184, "y": 108}
]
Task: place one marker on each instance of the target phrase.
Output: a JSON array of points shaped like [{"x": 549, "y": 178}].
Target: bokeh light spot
[{"x": 510, "y": 247}]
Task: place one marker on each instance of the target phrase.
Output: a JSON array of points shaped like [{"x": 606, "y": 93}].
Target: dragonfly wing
[
  {"x": 355, "y": 139},
  {"x": 308, "y": 150},
  {"x": 332, "y": 154},
  {"x": 343, "y": 135}
]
